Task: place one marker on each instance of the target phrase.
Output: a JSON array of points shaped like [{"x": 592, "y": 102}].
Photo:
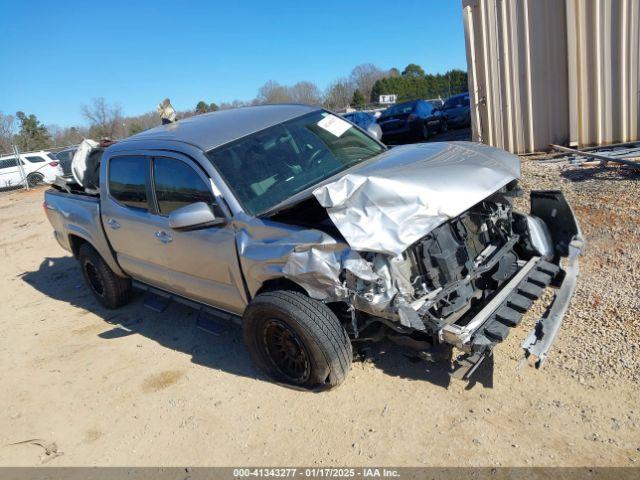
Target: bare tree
[
  {"x": 273, "y": 92},
  {"x": 339, "y": 94},
  {"x": 7, "y": 129},
  {"x": 237, "y": 104},
  {"x": 139, "y": 123},
  {"x": 66, "y": 136},
  {"x": 305, "y": 92},
  {"x": 106, "y": 120},
  {"x": 364, "y": 76}
]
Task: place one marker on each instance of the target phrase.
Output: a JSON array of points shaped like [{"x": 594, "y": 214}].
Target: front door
[
  {"x": 10, "y": 175},
  {"x": 203, "y": 262},
  {"x": 200, "y": 264}
]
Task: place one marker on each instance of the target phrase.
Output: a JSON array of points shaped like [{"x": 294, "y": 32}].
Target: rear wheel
[
  {"x": 109, "y": 289},
  {"x": 35, "y": 179},
  {"x": 297, "y": 340}
]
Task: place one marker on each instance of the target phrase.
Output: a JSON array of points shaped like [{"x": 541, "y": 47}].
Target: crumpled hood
[{"x": 390, "y": 203}]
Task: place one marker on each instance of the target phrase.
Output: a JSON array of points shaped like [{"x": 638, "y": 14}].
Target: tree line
[{"x": 361, "y": 88}]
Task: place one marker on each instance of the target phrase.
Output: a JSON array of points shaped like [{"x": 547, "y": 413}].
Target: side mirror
[{"x": 192, "y": 216}]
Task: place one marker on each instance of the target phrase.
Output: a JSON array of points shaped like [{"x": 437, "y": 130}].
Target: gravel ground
[{"x": 600, "y": 337}]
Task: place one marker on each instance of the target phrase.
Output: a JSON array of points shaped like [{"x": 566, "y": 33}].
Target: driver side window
[{"x": 177, "y": 185}]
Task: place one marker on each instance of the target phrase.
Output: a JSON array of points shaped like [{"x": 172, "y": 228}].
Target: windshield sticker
[{"x": 334, "y": 125}]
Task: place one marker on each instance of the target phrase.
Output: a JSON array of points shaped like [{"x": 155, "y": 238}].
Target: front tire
[
  {"x": 297, "y": 340},
  {"x": 444, "y": 126},
  {"x": 109, "y": 289}
]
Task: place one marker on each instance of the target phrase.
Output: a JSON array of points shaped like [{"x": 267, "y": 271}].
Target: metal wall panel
[{"x": 553, "y": 71}]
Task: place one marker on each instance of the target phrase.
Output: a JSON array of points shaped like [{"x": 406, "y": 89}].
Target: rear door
[
  {"x": 39, "y": 162},
  {"x": 129, "y": 222}
]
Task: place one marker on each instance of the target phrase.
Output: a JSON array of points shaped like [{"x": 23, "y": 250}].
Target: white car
[{"x": 39, "y": 167}]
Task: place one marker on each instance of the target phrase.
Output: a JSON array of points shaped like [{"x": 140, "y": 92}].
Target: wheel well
[
  {"x": 76, "y": 242},
  {"x": 280, "y": 284},
  {"x": 341, "y": 309}
]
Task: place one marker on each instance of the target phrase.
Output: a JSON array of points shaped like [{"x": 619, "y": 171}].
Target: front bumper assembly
[
  {"x": 491, "y": 325},
  {"x": 539, "y": 341}
]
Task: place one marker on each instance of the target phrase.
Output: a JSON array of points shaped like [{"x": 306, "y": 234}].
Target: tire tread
[{"x": 320, "y": 323}]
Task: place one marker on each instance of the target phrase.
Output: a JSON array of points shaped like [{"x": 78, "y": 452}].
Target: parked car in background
[
  {"x": 365, "y": 121},
  {"x": 413, "y": 120},
  {"x": 39, "y": 167},
  {"x": 65, "y": 157},
  {"x": 458, "y": 110}
]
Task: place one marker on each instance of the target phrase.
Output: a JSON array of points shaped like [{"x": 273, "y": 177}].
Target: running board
[
  {"x": 155, "y": 302},
  {"x": 158, "y": 300}
]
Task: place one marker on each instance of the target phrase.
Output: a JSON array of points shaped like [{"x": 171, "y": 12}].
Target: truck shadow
[
  {"x": 401, "y": 362},
  {"x": 176, "y": 328}
]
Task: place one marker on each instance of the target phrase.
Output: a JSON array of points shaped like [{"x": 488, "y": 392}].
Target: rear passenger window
[
  {"x": 177, "y": 185},
  {"x": 127, "y": 181}
]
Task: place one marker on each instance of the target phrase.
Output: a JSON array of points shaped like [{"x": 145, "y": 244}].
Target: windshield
[
  {"x": 457, "y": 101},
  {"x": 399, "y": 109},
  {"x": 269, "y": 166}
]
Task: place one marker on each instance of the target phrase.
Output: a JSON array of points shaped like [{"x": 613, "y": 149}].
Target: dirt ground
[{"x": 82, "y": 385}]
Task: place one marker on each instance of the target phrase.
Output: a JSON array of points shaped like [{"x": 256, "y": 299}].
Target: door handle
[
  {"x": 113, "y": 223},
  {"x": 163, "y": 236}
]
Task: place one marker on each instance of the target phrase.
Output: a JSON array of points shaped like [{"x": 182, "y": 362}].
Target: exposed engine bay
[
  {"x": 458, "y": 264},
  {"x": 467, "y": 281},
  {"x": 465, "y": 259}
]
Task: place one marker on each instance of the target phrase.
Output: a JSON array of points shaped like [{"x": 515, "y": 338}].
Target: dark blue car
[
  {"x": 458, "y": 110},
  {"x": 416, "y": 120}
]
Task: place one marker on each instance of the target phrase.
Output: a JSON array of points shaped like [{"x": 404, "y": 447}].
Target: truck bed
[{"x": 76, "y": 218}]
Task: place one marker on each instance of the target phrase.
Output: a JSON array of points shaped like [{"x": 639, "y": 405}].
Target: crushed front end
[
  {"x": 471, "y": 279},
  {"x": 424, "y": 246}
]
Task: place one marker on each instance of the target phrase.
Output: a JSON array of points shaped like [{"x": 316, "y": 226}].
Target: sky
[{"x": 57, "y": 56}]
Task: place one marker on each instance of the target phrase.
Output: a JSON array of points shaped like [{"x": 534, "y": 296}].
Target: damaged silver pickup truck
[{"x": 315, "y": 237}]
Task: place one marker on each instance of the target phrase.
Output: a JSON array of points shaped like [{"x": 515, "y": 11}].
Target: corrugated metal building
[{"x": 553, "y": 71}]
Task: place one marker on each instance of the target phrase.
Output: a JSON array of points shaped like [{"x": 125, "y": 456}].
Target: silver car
[{"x": 316, "y": 238}]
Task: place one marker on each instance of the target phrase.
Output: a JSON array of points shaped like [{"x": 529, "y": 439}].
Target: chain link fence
[{"x": 25, "y": 170}]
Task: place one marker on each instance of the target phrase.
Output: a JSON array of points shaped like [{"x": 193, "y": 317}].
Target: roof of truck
[{"x": 211, "y": 130}]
